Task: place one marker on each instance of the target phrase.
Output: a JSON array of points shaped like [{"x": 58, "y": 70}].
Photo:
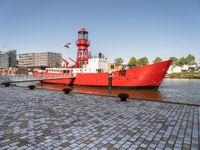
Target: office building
[{"x": 45, "y": 59}]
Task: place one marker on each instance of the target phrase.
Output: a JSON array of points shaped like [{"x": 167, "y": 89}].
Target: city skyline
[{"x": 116, "y": 28}]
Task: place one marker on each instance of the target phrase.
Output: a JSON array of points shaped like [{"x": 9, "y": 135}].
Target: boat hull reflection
[{"x": 153, "y": 95}]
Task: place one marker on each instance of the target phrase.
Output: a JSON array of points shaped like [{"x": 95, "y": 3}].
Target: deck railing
[{"x": 28, "y": 78}]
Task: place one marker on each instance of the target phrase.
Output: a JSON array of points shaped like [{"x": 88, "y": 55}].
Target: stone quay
[{"x": 45, "y": 119}]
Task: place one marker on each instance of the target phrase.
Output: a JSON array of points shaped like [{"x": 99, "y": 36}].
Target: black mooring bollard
[
  {"x": 123, "y": 96},
  {"x": 67, "y": 90},
  {"x": 31, "y": 87},
  {"x": 6, "y": 84}
]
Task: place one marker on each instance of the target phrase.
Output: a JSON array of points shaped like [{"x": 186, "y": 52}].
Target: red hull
[
  {"x": 60, "y": 81},
  {"x": 149, "y": 76}
]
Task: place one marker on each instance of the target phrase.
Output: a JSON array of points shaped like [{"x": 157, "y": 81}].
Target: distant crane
[
  {"x": 66, "y": 63},
  {"x": 72, "y": 60}
]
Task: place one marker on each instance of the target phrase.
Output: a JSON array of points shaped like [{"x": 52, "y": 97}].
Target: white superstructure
[{"x": 94, "y": 65}]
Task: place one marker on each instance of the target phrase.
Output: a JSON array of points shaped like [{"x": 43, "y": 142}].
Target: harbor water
[
  {"x": 181, "y": 90},
  {"x": 172, "y": 90}
]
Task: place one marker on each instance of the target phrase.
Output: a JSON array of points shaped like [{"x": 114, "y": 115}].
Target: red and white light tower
[{"x": 82, "y": 43}]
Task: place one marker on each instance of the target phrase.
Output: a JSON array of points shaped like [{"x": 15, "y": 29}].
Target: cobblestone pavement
[{"x": 43, "y": 119}]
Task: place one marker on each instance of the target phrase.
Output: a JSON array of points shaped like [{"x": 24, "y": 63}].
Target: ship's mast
[{"x": 82, "y": 44}]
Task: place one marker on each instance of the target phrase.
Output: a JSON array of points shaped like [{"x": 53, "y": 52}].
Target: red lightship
[{"x": 93, "y": 71}]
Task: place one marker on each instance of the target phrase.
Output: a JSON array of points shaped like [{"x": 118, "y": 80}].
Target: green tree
[
  {"x": 181, "y": 61},
  {"x": 190, "y": 60},
  {"x": 143, "y": 61},
  {"x": 157, "y": 60},
  {"x": 57, "y": 64},
  {"x": 118, "y": 61},
  {"x": 174, "y": 61},
  {"x": 132, "y": 61}
]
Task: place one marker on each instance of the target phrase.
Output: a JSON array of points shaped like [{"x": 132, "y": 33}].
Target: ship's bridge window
[
  {"x": 65, "y": 71},
  {"x": 86, "y": 36},
  {"x": 99, "y": 70},
  {"x": 82, "y": 35},
  {"x": 122, "y": 72}
]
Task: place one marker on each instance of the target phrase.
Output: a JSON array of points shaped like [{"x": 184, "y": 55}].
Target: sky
[{"x": 117, "y": 28}]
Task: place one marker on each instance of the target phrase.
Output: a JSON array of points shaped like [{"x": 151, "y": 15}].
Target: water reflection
[
  {"x": 153, "y": 95},
  {"x": 172, "y": 90}
]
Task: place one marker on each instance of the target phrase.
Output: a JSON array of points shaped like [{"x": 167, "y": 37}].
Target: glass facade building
[{"x": 8, "y": 59}]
